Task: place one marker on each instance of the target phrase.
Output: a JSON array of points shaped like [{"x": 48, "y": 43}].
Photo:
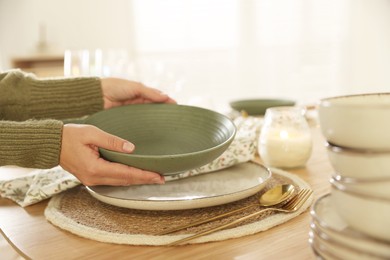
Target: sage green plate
[
  {"x": 168, "y": 138},
  {"x": 259, "y": 106}
]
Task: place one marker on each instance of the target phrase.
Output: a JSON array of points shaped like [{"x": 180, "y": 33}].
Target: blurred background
[{"x": 206, "y": 52}]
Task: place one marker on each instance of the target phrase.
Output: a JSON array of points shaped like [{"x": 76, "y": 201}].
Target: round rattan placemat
[{"x": 78, "y": 212}]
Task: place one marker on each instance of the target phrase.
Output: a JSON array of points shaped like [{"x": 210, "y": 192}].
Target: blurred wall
[
  {"x": 69, "y": 24},
  {"x": 213, "y": 51}
]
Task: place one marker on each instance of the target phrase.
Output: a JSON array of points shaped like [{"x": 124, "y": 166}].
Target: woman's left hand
[{"x": 118, "y": 92}]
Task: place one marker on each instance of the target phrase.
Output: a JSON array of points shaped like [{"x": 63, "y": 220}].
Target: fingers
[
  {"x": 79, "y": 155},
  {"x": 108, "y": 141},
  {"x": 114, "y": 174},
  {"x": 117, "y": 92},
  {"x": 110, "y": 173},
  {"x": 154, "y": 95}
]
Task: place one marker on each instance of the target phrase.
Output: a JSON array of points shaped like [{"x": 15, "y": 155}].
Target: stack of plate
[
  {"x": 332, "y": 238},
  {"x": 353, "y": 221}
]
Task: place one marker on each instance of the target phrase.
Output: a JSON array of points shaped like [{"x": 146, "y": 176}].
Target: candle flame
[{"x": 283, "y": 134}]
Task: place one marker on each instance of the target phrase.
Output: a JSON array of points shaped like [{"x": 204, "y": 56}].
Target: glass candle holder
[{"x": 285, "y": 139}]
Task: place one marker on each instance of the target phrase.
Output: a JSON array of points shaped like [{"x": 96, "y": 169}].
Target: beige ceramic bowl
[
  {"x": 364, "y": 213},
  {"x": 357, "y": 121},
  {"x": 377, "y": 189},
  {"x": 359, "y": 165}
]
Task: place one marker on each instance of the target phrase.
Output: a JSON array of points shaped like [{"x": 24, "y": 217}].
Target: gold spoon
[{"x": 272, "y": 197}]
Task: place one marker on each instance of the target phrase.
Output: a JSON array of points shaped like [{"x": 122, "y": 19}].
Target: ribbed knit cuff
[
  {"x": 32, "y": 144},
  {"x": 64, "y": 98}
]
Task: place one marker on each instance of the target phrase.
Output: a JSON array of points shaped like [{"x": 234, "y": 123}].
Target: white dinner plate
[{"x": 205, "y": 190}]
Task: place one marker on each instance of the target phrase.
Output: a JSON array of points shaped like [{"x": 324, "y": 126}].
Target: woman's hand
[
  {"x": 118, "y": 92},
  {"x": 79, "y": 151},
  {"x": 80, "y": 156}
]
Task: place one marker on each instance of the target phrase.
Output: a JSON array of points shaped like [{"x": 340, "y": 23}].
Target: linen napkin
[{"x": 39, "y": 185}]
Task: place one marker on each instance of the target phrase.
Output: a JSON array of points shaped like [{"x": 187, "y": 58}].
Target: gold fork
[{"x": 291, "y": 206}]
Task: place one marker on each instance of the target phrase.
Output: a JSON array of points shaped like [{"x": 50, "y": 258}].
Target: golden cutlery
[
  {"x": 291, "y": 206},
  {"x": 272, "y": 197}
]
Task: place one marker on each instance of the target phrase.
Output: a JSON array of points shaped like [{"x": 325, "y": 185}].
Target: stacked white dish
[
  {"x": 353, "y": 221},
  {"x": 332, "y": 238}
]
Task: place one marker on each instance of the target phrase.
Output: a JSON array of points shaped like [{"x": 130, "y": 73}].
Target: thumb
[{"x": 111, "y": 142}]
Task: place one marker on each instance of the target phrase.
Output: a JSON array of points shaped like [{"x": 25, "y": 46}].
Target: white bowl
[
  {"x": 376, "y": 189},
  {"x": 357, "y": 121},
  {"x": 367, "y": 214},
  {"x": 358, "y": 164},
  {"x": 327, "y": 224}
]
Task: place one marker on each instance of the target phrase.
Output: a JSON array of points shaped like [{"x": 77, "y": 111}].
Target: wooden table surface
[{"x": 33, "y": 237}]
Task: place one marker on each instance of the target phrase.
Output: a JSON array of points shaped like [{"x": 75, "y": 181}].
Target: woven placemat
[{"x": 78, "y": 212}]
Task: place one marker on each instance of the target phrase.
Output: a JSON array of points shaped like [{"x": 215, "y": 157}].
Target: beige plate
[{"x": 205, "y": 190}]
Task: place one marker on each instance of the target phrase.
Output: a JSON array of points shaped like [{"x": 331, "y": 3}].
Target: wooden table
[{"x": 33, "y": 237}]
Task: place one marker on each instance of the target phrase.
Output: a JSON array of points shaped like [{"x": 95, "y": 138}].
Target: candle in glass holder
[{"x": 285, "y": 139}]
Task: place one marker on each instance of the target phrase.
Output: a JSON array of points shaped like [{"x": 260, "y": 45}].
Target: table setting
[{"x": 234, "y": 181}]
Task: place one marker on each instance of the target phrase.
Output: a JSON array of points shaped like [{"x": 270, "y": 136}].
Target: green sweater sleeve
[
  {"x": 32, "y": 143},
  {"x": 30, "y": 109},
  {"x": 23, "y": 97}
]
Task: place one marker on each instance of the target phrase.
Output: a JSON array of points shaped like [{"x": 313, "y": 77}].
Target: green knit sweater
[{"x": 30, "y": 114}]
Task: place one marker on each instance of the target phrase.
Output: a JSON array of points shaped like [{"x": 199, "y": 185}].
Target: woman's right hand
[{"x": 80, "y": 156}]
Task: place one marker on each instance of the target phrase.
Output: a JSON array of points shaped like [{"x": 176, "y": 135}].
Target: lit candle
[
  {"x": 285, "y": 149},
  {"x": 285, "y": 139}
]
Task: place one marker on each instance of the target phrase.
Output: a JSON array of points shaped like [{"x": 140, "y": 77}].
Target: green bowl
[
  {"x": 258, "y": 107},
  {"x": 168, "y": 138}
]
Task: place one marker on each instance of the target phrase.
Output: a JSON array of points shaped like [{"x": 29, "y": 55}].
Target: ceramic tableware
[
  {"x": 205, "y": 190},
  {"x": 357, "y": 121},
  {"x": 364, "y": 212},
  {"x": 168, "y": 138},
  {"x": 329, "y": 226},
  {"x": 359, "y": 165},
  {"x": 259, "y": 106}
]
